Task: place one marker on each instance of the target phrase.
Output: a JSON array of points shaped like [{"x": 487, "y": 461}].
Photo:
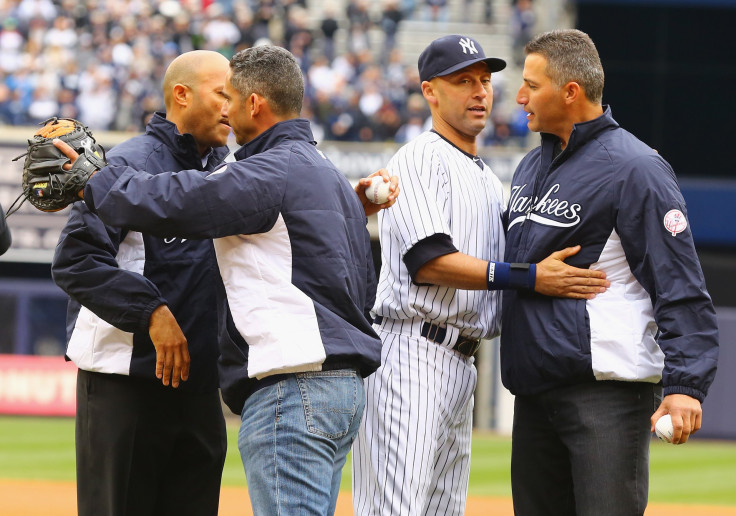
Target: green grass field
[{"x": 700, "y": 472}]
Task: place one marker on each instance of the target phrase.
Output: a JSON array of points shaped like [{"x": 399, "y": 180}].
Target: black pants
[
  {"x": 145, "y": 449},
  {"x": 583, "y": 450}
]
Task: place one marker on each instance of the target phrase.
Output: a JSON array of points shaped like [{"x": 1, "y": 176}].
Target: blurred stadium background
[{"x": 669, "y": 68}]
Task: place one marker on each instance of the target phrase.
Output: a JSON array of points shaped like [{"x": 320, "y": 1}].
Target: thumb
[
  {"x": 567, "y": 252},
  {"x": 661, "y": 411}
]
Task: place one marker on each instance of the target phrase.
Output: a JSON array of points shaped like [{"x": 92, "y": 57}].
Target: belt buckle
[{"x": 467, "y": 346}]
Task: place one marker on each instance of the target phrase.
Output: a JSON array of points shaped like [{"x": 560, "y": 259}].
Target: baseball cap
[{"x": 451, "y": 53}]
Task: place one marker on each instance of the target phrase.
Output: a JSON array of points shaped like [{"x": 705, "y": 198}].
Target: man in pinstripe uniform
[{"x": 438, "y": 294}]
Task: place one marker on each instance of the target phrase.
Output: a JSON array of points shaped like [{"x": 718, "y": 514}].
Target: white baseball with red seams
[
  {"x": 378, "y": 191},
  {"x": 663, "y": 428}
]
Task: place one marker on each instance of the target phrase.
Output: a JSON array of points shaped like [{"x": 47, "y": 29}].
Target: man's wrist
[{"x": 503, "y": 275}]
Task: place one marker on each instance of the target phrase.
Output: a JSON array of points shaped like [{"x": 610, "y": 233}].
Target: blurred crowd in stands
[{"x": 102, "y": 61}]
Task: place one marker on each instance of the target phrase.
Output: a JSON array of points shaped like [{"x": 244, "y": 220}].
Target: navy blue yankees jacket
[
  {"x": 116, "y": 277},
  {"x": 619, "y": 200},
  {"x": 292, "y": 246}
]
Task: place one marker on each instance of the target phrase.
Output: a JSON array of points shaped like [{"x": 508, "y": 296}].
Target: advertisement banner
[{"x": 36, "y": 385}]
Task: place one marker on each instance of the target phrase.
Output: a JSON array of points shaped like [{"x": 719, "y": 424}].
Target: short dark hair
[
  {"x": 271, "y": 72},
  {"x": 571, "y": 57}
]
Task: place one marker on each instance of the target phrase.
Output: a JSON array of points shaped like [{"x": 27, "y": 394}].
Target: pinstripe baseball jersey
[
  {"x": 443, "y": 191},
  {"x": 412, "y": 454}
]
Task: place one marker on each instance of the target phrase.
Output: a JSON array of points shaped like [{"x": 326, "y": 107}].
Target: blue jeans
[
  {"x": 294, "y": 438},
  {"x": 583, "y": 450}
]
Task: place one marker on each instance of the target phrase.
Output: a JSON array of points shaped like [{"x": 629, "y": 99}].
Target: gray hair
[
  {"x": 271, "y": 72},
  {"x": 571, "y": 57}
]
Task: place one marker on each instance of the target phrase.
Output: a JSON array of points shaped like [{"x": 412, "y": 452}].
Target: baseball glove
[{"x": 46, "y": 184}]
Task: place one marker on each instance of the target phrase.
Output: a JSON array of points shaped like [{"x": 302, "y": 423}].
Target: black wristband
[
  {"x": 503, "y": 275},
  {"x": 522, "y": 275}
]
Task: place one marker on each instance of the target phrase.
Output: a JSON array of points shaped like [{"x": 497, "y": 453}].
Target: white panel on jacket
[
  {"x": 276, "y": 319},
  {"x": 96, "y": 345},
  {"x": 622, "y": 327}
]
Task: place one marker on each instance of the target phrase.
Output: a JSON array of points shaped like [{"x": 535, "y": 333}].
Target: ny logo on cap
[{"x": 468, "y": 45}]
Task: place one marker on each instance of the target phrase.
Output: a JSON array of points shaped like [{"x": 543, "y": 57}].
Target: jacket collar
[
  {"x": 297, "y": 129},
  {"x": 581, "y": 134},
  {"x": 183, "y": 145}
]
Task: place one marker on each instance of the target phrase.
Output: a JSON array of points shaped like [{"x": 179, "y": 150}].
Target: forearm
[
  {"x": 456, "y": 270},
  {"x": 86, "y": 268},
  {"x": 550, "y": 277},
  {"x": 162, "y": 205},
  {"x": 689, "y": 340}
]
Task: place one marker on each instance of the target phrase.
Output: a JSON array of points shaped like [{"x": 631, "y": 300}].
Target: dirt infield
[{"x": 37, "y": 498}]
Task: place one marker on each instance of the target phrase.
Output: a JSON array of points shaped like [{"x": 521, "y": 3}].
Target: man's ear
[
  {"x": 181, "y": 94},
  {"x": 573, "y": 92},
  {"x": 256, "y": 104},
  {"x": 428, "y": 92}
]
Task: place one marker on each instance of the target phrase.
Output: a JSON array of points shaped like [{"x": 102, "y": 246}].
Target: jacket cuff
[
  {"x": 681, "y": 389},
  {"x": 145, "y": 322}
]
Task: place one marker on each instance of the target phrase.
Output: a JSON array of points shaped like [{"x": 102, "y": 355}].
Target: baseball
[
  {"x": 378, "y": 191},
  {"x": 663, "y": 428}
]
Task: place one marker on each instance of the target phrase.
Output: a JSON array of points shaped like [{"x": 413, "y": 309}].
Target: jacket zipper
[{"x": 539, "y": 181}]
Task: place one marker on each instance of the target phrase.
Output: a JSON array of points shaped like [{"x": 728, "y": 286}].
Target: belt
[{"x": 467, "y": 346}]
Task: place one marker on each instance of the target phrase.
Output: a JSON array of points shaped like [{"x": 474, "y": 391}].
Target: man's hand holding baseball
[
  {"x": 686, "y": 413},
  {"x": 364, "y": 182}
]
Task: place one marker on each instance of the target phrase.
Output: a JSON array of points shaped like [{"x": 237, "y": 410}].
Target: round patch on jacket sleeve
[{"x": 675, "y": 222}]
